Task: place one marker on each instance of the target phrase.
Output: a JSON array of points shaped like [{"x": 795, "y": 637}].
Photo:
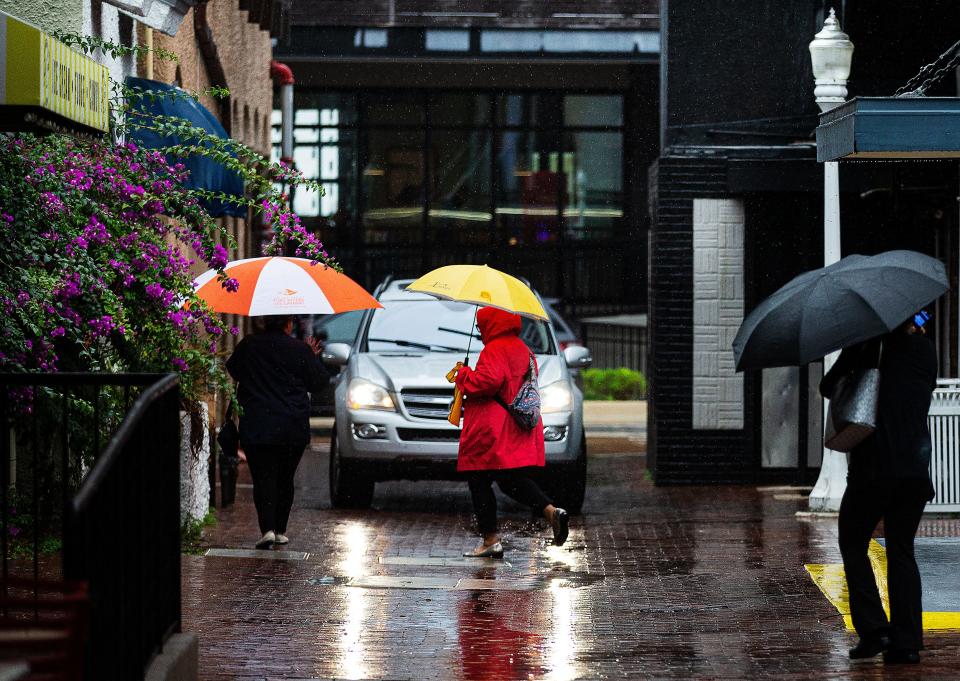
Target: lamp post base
[{"x": 828, "y": 491}]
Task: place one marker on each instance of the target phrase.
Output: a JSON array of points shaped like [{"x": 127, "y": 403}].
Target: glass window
[
  {"x": 460, "y": 186},
  {"x": 529, "y": 110},
  {"x": 456, "y": 109},
  {"x": 448, "y": 40},
  {"x": 338, "y": 107},
  {"x": 593, "y": 110},
  {"x": 393, "y": 176},
  {"x": 593, "y": 174},
  {"x": 529, "y": 186},
  {"x": 393, "y": 109}
]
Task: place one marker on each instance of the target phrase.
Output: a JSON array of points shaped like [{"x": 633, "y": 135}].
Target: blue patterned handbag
[{"x": 525, "y": 408}]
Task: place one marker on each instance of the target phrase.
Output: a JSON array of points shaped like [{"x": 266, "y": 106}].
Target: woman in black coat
[
  {"x": 275, "y": 374},
  {"x": 888, "y": 479}
]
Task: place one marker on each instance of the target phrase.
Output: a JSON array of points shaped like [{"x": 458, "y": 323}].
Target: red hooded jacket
[{"x": 491, "y": 439}]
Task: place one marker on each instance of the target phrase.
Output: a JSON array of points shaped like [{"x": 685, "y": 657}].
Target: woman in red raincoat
[{"x": 493, "y": 448}]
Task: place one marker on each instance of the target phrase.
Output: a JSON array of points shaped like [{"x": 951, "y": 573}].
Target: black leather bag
[{"x": 228, "y": 437}]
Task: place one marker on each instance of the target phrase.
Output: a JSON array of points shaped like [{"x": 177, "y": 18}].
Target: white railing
[{"x": 944, "y": 421}]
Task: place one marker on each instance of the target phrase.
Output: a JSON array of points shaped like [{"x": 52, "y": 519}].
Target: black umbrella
[{"x": 845, "y": 303}]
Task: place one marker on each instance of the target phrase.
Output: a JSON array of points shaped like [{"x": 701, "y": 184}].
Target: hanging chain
[{"x": 931, "y": 74}]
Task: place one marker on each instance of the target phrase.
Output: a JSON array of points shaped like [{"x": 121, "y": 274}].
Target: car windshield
[
  {"x": 338, "y": 328},
  {"x": 418, "y": 326}
]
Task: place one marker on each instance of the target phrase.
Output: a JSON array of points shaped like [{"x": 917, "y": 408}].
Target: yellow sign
[{"x": 40, "y": 72}]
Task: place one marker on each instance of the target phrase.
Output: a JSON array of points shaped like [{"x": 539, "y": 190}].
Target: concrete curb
[{"x": 179, "y": 661}]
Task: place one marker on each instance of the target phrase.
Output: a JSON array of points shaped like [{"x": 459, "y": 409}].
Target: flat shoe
[
  {"x": 901, "y": 656},
  {"x": 492, "y": 551},
  {"x": 561, "y": 526},
  {"x": 869, "y": 647},
  {"x": 281, "y": 539},
  {"x": 266, "y": 541}
]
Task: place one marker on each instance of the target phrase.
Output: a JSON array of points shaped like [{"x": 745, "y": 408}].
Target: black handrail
[
  {"x": 114, "y": 450},
  {"x": 127, "y": 499}
]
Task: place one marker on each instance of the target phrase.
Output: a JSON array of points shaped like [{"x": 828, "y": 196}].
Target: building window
[{"x": 409, "y": 167}]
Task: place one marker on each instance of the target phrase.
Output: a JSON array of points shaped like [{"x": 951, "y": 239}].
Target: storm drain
[
  {"x": 442, "y": 561},
  {"x": 256, "y": 553},
  {"x": 447, "y": 583}
]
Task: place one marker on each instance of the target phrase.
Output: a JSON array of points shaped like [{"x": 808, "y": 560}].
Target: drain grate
[
  {"x": 443, "y": 561},
  {"x": 256, "y": 553}
]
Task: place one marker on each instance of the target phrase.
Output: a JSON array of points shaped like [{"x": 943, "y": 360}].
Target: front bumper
[{"x": 427, "y": 448}]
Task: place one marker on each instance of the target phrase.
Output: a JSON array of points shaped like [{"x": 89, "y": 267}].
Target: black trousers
[
  {"x": 272, "y": 468},
  {"x": 900, "y": 505},
  {"x": 514, "y": 482}
]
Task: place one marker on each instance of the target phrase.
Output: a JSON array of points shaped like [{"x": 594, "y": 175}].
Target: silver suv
[{"x": 392, "y": 398}]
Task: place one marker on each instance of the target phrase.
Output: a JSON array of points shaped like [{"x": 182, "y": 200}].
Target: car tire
[
  {"x": 348, "y": 489},
  {"x": 569, "y": 482}
]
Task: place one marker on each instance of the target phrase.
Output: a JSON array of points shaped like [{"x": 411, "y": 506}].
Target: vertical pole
[
  {"x": 148, "y": 60},
  {"x": 828, "y": 491}
]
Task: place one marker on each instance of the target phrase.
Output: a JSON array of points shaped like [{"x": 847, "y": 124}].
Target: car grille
[
  {"x": 427, "y": 403},
  {"x": 428, "y": 435}
]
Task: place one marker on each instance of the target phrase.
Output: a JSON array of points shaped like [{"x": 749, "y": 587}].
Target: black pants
[
  {"x": 272, "y": 468},
  {"x": 900, "y": 505},
  {"x": 514, "y": 482}
]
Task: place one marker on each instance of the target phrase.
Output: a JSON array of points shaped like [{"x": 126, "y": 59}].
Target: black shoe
[
  {"x": 561, "y": 526},
  {"x": 870, "y": 647},
  {"x": 901, "y": 656}
]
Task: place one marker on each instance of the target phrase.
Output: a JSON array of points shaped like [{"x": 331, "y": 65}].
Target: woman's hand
[
  {"x": 315, "y": 345},
  {"x": 452, "y": 374}
]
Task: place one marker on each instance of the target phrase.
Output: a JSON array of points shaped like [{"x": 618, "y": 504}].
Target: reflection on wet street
[{"x": 653, "y": 583}]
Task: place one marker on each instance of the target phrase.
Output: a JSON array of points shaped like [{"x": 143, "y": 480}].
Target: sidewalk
[{"x": 654, "y": 583}]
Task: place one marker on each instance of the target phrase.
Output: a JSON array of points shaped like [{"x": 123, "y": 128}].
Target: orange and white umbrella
[{"x": 277, "y": 285}]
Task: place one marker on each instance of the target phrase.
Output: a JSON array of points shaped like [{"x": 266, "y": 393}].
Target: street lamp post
[{"x": 831, "y": 53}]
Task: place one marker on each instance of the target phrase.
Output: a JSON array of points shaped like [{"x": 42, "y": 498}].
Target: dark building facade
[
  {"x": 515, "y": 134},
  {"x": 736, "y": 211}
]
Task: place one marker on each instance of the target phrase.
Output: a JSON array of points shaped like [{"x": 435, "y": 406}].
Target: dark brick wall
[
  {"x": 677, "y": 454},
  {"x": 611, "y": 14}
]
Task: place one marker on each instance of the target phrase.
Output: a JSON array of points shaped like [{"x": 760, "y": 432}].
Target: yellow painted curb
[{"x": 832, "y": 581}]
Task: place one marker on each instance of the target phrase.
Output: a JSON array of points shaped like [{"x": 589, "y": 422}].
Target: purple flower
[
  {"x": 180, "y": 364},
  {"x": 58, "y": 332},
  {"x": 154, "y": 290}
]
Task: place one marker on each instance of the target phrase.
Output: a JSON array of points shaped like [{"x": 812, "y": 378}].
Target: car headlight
[
  {"x": 362, "y": 394},
  {"x": 556, "y": 397}
]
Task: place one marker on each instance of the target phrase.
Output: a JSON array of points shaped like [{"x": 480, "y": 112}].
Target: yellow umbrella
[{"x": 481, "y": 285}]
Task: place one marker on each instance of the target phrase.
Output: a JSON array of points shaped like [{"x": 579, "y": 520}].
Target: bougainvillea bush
[{"x": 101, "y": 241}]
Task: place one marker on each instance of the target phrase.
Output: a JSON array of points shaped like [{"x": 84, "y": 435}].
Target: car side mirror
[
  {"x": 336, "y": 354},
  {"x": 577, "y": 357}
]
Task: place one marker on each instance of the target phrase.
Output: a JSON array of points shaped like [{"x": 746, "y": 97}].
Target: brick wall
[
  {"x": 245, "y": 52},
  {"x": 678, "y": 453}
]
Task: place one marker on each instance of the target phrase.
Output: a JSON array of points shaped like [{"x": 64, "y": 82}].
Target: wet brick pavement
[{"x": 654, "y": 583}]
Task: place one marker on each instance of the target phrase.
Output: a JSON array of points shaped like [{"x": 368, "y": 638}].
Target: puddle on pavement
[{"x": 256, "y": 553}]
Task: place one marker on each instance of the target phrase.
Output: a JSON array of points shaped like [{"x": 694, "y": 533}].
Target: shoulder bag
[
  {"x": 852, "y": 414},
  {"x": 525, "y": 407}
]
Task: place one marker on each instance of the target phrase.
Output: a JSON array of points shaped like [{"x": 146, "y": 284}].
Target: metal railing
[
  {"x": 616, "y": 341},
  {"x": 114, "y": 511},
  {"x": 944, "y": 423}
]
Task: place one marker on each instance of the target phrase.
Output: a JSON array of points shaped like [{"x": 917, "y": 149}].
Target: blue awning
[
  {"x": 891, "y": 128},
  {"x": 204, "y": 173}
]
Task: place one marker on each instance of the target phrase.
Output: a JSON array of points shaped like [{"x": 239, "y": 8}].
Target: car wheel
[
  {"x": 348, "y": 489},
  {"x": 570, "y": 482}
]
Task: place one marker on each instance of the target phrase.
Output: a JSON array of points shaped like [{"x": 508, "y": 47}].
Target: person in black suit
[
  {"x": 275, "y": 373},
  {"x": 889, "y": 479}
]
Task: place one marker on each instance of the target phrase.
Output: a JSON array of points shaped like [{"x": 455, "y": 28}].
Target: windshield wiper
[
  {"x": 458, "y": 331},
  {"x": 412, "y": 344}
]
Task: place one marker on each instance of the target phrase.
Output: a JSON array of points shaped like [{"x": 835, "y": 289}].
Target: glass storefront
[{"x": 455, "y": 168}]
